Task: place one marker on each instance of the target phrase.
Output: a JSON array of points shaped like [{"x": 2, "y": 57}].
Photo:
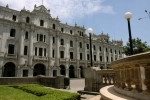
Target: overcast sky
[{"x": 101, "y": 15}]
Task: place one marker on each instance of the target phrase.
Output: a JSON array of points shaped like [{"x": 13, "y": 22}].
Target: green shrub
[{"x": 46, "y": 93}]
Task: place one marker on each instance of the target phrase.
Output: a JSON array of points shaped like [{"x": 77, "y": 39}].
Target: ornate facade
[{"x": 34, "y": 43}]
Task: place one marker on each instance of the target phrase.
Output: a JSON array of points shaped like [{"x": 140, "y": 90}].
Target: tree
[{"x": 138, "y": 47}]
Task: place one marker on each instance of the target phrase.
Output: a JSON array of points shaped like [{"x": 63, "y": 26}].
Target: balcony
[
  {"x": 96, "y": 62},
  {"x": 62, "y": 60},
  {"x": 81, "y": 61},
  {"x": 72, "y": 60},
  {"x": 10, "y": 56},
  {"x": 40, "y": 58},
  {"x": 2, "y": 54}
]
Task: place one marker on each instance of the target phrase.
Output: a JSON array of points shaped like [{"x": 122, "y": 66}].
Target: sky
[{"x": 105, "y": 16}]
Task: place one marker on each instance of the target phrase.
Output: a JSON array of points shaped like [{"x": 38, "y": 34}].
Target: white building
[{"x": 33, "y": 43}]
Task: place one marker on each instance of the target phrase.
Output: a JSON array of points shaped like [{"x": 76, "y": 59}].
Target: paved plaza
[{"x": 79, "y": 84}]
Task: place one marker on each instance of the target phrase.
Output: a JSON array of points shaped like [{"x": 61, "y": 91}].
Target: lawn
[{"x": 34, "y": 92}]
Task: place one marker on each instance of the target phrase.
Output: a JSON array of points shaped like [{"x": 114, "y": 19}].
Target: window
[
  {"x": 14, "y": 18},
  {"x": 115, "y": 52},
  {"x": 71, "y": 55},
  {"x": 27, "y": 19},
  {"x": 106, "y": 49},
  {"x": 25, "y": 50},
  {"x": 41, "y": 37},
  {"x": 111, "y": 59},
  {"x": 41, "y": 22},
  {"x": 94, "y": 47},
  {"x": 26, "y": 35},
  {"x": 107, "y": 58},
  {"x": 44, "y": 38},
  {"x": 62, "y": 42},
  {"x": 53, "y": 40},
  {"x": 36, "y": 51},
  {"x": 88, "y": 57},
  {"x": 54, "y": 26},
  {"x": 11, "y": 48},
  {"x": 61, "y": 54},
  {"x": 45, "y": 52},
  {"x": 62, "y": 29},
  {"x": 119, "y": 51},
  {"x": 101, "y": 59},
  {"x": 100, "y": 49},
  {"x": 12, "y": 32},
  {"x": 80, "y": 56},
  {"x": 82, "y": 33},
  {"x": 40, "y": 51},
  {"x": 37, "y": 37},
  {"x": 111, "y": 50},
  {"x": 80, "y": 45},
  {"x": 53, "y": 53},
  {"x": 70, "y": 31},
  {"x": 87, "y": 45},
  {"x": 94, "y": 57},
  {"x": 71, "y": 44}
]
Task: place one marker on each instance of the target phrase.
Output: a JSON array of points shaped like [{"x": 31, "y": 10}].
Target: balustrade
[{"x": 132, "y": 73}]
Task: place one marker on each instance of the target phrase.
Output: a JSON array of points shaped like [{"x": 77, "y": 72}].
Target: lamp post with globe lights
[
  {"x": 148, "y": 13},
  {"x": 128, "y": 16},
  {"x": 90, "y": 31}
]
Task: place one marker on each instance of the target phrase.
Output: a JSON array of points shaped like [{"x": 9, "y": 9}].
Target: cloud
[{"x": 65, "y": 9}]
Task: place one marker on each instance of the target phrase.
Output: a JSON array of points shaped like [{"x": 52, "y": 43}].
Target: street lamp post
[
  {"x": 90, "y": 31},
  {"x": 128, "y": 16}
]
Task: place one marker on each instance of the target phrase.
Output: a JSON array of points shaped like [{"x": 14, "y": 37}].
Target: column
[
  {"x": 77, "y": 53},
  {"x": 104, "y": 58},
  {"x": 1, "y": 69},
  {"x": 67, "y": 70},
  {"x": 30, "y": 72},
  {"x": 57, "y": 50},
  {"x": 21, "y": 45},
  {"x": 31, "y": 47},
  {"x": 50, "y": 56},
  {"x": 85, "y": 54},
  {"x": 79, "y": 71}
]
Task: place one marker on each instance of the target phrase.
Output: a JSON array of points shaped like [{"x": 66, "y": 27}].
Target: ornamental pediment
[
  {"x": 41, "y": 9},
  {"x": 40, "y": 43}
]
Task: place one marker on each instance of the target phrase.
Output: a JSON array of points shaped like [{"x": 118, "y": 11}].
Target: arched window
[
  {"x": 71, "y": 44},
  {"x": 62, "y": 42},
  {"x": 12, "y": 32},
  {"x": 27, "y": 19},
  {"x": 26, "y": 35}
]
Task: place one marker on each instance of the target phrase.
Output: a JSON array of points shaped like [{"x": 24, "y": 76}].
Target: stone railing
[
  {"x": 132, "y": 76},
  {"x": 11, "y": 56},
  {"x": 38, "y": 58},
  {"x": 96, "y": 78}
]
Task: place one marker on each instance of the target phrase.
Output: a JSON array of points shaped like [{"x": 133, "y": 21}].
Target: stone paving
[{"x": 79, "y": 84}]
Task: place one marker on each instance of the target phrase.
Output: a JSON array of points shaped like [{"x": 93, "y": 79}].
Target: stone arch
[
  {"x": 71, "y": 71},
  {"x": 81, "y": 72},
  {"x": 62, "y": 70},
  {"x": 9, "y": 70},
  {"x": 39, "y": 69}
]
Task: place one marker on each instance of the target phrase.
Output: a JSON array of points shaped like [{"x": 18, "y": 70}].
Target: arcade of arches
[
  {"x": 9, "y": 70},
  {"x": 71, "y": 71}
]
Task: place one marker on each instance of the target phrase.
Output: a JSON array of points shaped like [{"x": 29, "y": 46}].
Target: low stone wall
[
  {"x": 18, "y": 80},
  {"x": 56, "y": 82}
]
